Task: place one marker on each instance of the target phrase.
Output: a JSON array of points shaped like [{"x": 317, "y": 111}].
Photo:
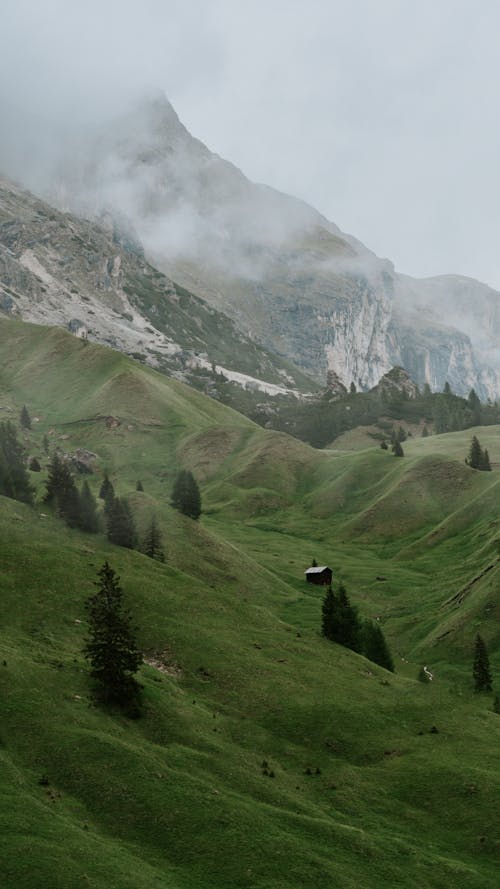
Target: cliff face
[{"x": 287, "y": 277}]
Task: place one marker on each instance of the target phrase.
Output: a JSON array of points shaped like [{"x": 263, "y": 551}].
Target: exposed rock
[
  {"x": 82, "y": 460},
  {"x": 397, "y": 381},
  {"x": 335, "y": 384}
]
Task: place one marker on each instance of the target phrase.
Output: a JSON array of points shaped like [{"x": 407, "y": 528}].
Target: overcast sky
[{"x": 384, "y": 114}]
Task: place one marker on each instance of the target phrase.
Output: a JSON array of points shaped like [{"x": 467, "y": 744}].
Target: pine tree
[
  {"x": 139, "y": 486},
  {"x": 475, "y": 458},
  {"x": 111, "y": 647},
  {"x": 34, "y": 465},
  {"x": 314, "y": 563},
  {"x": 397, "y": 450},
  {"x": 352, "y": 388},
  {"x": 62, "y": 492},
  {"x": 425, "y": 432},
  {"x": 383, "y": 445},
  {"x": 14, "y": 478},
  {"x": 106, "y": 488},
  {"x": 46, "y": 444},
  {"x": 24, "y": 418},
  {"x": 186, "y": 494},
  {"x": 347, "y": 626},
  {"x": 485, "y": 465},
  {"x": 88, "y": 518},
  {"x": 475, "y": 408},
  {"x": 496, "y": 703},
  {"x": 481, "y": 666},
  {"x": 447, "y": 389},
  {"x": 375, "y": 647},
  {"x": 151, "y": 546},
  {"x": 328, "y": 614},
  {"x": 120, "y": 523}
]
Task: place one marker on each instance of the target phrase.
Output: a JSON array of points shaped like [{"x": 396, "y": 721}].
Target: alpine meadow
[{"x": 249, "y": 469}]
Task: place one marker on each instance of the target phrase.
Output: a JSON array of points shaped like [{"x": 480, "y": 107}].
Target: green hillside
[{"x": 238, "y": 682}]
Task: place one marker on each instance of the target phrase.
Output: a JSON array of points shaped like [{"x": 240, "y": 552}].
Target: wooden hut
[{"x": 320, "y": 575}]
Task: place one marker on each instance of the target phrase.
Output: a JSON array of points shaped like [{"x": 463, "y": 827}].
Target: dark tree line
[
  {"x": 14, "y": 478},
  {"x": 341, "y": 623}
]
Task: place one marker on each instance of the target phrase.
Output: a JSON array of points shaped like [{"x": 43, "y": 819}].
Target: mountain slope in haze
[
  {"x": 266, "y": 756},
  {"x": 288, "y": 277},
  {"x": 92, "y": 278}
]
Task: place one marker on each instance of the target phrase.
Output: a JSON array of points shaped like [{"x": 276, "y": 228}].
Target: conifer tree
[
  {"x": 139, "y": 486},
  {"x": 314, "y": 563},
  {"x": 186, "y": 494},
  {"x": 397, "y": 450},
  {"x": 106, "y": 488},
  {"x": 425, "y": 432},
  {"x": 24, "y": 418},
  {"x": 475, "y": 408},
  {"x": 88, "y": 518},
  {"x": 46, "y": 444},
  {"x": 34, "y": 465},
  {"x": 151, "y": 545},
  {"x": 383, "y": 445},
  {"x": 485, "y": 462},
  {"x": 111, "y": 647},
  {"x": 328, "y": 614},
  {"x": 475, "y": 457},
  {"x": 61, "y": 491},
  {"x": 120, "y": 523},
  {"x": 14, "y": 478},
  {"x": 481, "y": 666},
  {"x": 375, "y": 647},
  {"x": 347, "y": 626}
]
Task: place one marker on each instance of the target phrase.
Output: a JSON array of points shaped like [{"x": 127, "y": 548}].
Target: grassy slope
[{"x": 178, "y": 798}]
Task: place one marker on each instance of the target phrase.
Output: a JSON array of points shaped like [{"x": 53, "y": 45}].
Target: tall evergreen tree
[
  {"x": 46, "y": 445},
  {"x": 88, "y": 518},
  {"x": 106, "y": 488},
  {"x": 481, "y": 666},
  {"x": 111, "y": 647},
  {"x": 24, "y": 418},
  {"x": 328, "y": 614},
  {"x": 475, "y": 457},
  {"x": 120, "y": 523},
  {"x": 14, "y": 478},
  {"x": 425, "y": 432},
  {"x": 151, "y": 546},
  {"x": 375, "y": 647},
  {"x": 347, "y": 627},
  {"x": 397, "y": 450},
  {"x": 61, "y": 491},
  {"x": 139, "y": 486},
  {"x": 485, "y": 465},
  {"x": 475, "y": 408},
  {"x": 186, "y": 494}
]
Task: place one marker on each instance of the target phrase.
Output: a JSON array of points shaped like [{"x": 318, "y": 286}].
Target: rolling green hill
[{"x": 362, "y": 792}]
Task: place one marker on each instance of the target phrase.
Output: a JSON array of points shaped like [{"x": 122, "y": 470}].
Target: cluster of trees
[
  {"x": 319, "y": 421},
  {"x": 477, "y": 457},
  {"x": 340, "y": 622},
  {"x": 77, "y": 508},
  {"x": 14, "y": 478}
]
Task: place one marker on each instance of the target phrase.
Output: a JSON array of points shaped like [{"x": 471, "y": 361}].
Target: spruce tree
[
  {"x": 46, "y": 444},
  {"x": 106, "y": 488},
  {"x": 139, "y": 486},
  {"x": 151, "y": 545},
  {"x": 24, "y": 418},
  {"x": 475, "y": 457},
  {"x": 111, "y": 647},
  {"x": 34, "y": 465},
  {"x": 383, "y": 445},
  {"x": 88, "y": 517},
  {"x": 328, "y": 614},
  {"x": 425, "y": 432},
  {"x": 120, "y": 523},
  {"x": 347, "y": 626},
  {"x": 61, "y": 491},
  {"x": 485, "y": 462},
  {"x": 186, "y": 494},
  {"x": 375, "y": 647},
  {"x": 14, "y": 478},
  {"x": 481, "y": 666},
  {"x": 397, "y": 450}
]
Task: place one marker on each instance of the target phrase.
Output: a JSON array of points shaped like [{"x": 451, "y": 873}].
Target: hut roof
[{"x": 317, "y": 570}]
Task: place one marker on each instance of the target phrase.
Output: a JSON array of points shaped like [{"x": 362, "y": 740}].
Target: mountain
[
  {"x": 288, "y": 277},
  {"x": 93, "y": 279}
]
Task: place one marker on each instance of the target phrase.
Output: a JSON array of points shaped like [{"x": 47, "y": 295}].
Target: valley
[{"x": 377, "y": 779}]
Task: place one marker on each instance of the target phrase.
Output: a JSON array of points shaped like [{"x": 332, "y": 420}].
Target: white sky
[{"x": 384, "y": 114}]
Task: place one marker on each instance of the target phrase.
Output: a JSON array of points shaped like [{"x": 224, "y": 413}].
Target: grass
[{"x": 179, "y": 798}]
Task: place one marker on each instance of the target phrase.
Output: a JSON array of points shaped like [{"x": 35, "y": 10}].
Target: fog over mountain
[{"x": 83, "y": 127}]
